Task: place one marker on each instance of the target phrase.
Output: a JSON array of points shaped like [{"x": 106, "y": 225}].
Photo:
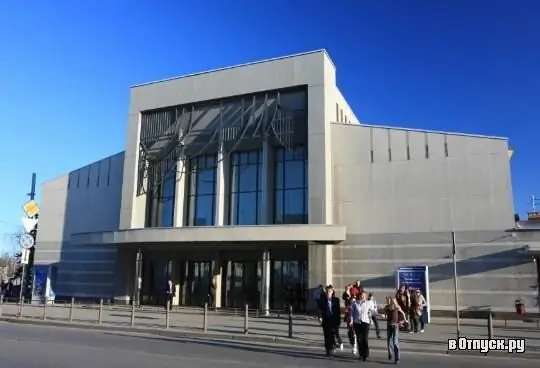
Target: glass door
[
  {"x": 199, "y": 279},
  {"x": 242, "y": 285},
  {"x": 289, "y": 285}
]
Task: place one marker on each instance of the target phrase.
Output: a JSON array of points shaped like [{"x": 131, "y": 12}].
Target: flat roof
[
  {"x": 236, "y": 66},
  {"x": 422, "y": 130}
]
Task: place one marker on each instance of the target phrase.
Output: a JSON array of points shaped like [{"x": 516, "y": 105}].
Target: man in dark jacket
[{"x": 330, "y": 318}]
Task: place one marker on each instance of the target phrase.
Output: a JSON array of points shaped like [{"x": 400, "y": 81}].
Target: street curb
[
  {"x": 172, "y": 333},
  {"x": 432, "y": 348}
]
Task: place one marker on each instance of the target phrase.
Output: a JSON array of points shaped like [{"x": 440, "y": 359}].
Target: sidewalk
[{"x": 184, "y": 323}]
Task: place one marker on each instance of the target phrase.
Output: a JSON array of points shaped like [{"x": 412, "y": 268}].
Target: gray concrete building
[{"x": 260, "y": 180}]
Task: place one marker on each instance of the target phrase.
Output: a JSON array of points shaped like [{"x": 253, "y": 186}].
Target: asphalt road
[{"x": 24, "y": 346}]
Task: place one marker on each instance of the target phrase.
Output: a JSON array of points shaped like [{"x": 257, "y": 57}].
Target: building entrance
[
  {"x": 198, "y": 279},
  {"x": 242, "y": 284},
  {"x": 241, "y": 279},
  {"x": 289, "y": 285}
]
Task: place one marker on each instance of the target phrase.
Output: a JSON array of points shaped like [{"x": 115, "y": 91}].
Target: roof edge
[
  {"x": 424, "y": 131},
  {"x": 234, "y": 67}
]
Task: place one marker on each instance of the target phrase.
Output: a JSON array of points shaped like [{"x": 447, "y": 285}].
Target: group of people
[{"x": 403, "y": 311}]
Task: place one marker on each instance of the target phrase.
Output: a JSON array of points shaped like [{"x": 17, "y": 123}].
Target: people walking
[
  {"x": 169, "y": 293},
  {"x": 404, "y": 300},
  {"x": 418, "y": 302},
  {"x": 394, "y": 317},
  {"x": 330, "y": 319},
  {"x": 375, "y": 315},
  {"x": 348, "y": 299},
  {"x": 361, "y": 312},
  {"x": 356, "y": 289}
]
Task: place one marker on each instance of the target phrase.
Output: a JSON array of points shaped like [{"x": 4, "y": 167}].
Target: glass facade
[
  {"x": 290, "y": 186},
  {"x": 246, "y": 188},
  {"x": 202, "y": 191},
  {"x": 160, "y": 209}
]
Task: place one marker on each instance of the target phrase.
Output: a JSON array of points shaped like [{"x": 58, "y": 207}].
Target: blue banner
[
  {"x": 416, "y": 277},
  {"x": 40, "y": 283}
]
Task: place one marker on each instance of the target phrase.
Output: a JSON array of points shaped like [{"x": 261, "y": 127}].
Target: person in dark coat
[{"x": 330, "y": 319}]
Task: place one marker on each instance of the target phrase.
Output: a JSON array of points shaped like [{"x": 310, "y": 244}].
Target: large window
[
  {"x": 160, "y": 208},
  {"x": 290, "y": 187},
  {"x": 246, "y": 188},
  {"x": 202, "y": 191}
]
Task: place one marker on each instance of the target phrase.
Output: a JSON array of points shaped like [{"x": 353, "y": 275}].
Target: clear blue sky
[{"x": 455, "y": 65}]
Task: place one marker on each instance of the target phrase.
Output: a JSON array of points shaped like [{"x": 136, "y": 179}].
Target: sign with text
[
  {"x": 25, "y": 256},
  {"x": 416, "y": 277}
]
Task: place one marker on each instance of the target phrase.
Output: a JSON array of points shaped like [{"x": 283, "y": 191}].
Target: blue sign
[
  {"x": 416, "y": 277},
  {"x": 40, "y": 282}
]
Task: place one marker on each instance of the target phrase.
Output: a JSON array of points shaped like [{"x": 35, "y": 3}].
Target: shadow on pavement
[{"x": 256, "y": 349}]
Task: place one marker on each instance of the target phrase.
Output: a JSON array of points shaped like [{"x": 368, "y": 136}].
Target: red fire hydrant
[{"x": 520, "y": 307}]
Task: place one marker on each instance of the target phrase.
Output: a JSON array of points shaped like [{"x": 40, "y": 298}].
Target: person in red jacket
[{"x": 357, "y": 289}]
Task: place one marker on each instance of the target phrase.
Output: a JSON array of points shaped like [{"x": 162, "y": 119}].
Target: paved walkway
[{"x": 306, "y": 331}]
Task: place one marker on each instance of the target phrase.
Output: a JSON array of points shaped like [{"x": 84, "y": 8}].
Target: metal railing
[{"x": 103, "y": 313}]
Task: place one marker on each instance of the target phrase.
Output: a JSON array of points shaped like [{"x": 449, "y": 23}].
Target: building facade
[{"x": 260, "y": 180}]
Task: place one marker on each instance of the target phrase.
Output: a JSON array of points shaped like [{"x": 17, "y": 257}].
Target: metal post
[
  {"x": 290, "y": 322},
  {"x": 490, "y": 325},
  {"x": 71, "y": 309},
  {"x": 100, "y": 312},
  {"x": 246, "y": 316},
  {"x": 23, "y": 275},
  {"x": 133, "y": 314},
  {"x": 44, "y": 311},
  {"x": 456, "y": 287},
  {"x": 205, "y": 318},
  {"x": 21, "y": 297},
  {"x": 167, "y": 313}
]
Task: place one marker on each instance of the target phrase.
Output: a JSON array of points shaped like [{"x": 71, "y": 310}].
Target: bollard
[
  {"x": 133, "y": 314},
  {"x": 100, "y": 312},
  {"x": 290, "y": 322},
  {"x": 44, "y": 311},
  {"x": 71, "y": 309},
  {"x": 246, "y": 311},
  {"x": 21, "y": 304},
  {"x": 205, "y": 318},
  {"x": 490, "y": 325},
  {"x": 167, "y": 315}
]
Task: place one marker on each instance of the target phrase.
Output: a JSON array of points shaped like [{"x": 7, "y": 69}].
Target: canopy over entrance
[{"x": 271, "y": 234}]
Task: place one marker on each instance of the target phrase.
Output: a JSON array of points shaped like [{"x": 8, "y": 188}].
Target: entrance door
[
  {"x": 289, "y": 285},
  {"x": 242, "y": 285},
  {"x": 199, "y": 279}
]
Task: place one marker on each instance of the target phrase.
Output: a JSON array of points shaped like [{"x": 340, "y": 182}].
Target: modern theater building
[{"x": 261, "y": 179}]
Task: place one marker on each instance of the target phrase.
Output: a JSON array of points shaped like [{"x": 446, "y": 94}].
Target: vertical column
[
  {"x": 221, "y": 180},
  {"x": 175, "y": 278},
  {"x": 137, "y": 279},
  {"x": 216, "y": 280},
  {"x": 265, "y": 299},
  {"x": 180, "y": 192},
  {"x": 321, "y": 110}
]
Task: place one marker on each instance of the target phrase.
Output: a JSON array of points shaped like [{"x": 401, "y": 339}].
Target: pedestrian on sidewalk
[
  {"x": 169, "y": 293},
  {"x": 361, "y": 312},
  {"x": 375, "y": 315},
  {"x": 395, "y": 317},
  {"x": 348, "y": 299},
  {"x": 418, "y": 303},
  {"x": 330, "y": 319},
  {"x": 404, "y": 300}
]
